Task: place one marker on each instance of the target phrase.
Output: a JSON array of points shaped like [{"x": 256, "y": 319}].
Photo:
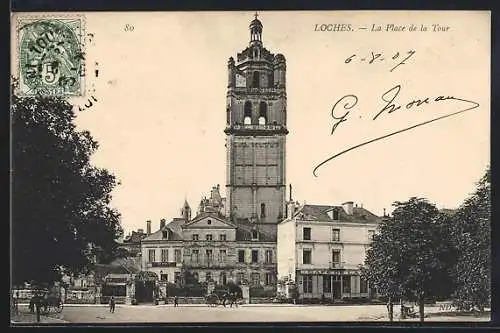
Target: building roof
[
  {"x": 134, "y": 238},
  {"x": 174, "y": 228},
  {"x": 214, "y": 215},
  {"x": 130, "y": 264},
  {"x": 320, "y": 213}
]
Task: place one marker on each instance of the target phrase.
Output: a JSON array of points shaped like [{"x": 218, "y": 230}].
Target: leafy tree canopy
[
  {"x": 60, "y": 202},
  {"x": 408, "y": 257},
  {"x": 472, "y": 237}
]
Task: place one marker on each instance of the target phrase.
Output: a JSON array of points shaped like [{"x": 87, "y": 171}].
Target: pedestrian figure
[
  {"x": 176, "y": 301},
  {"x": 16, "y": 303},
  {"x": 32, "y": 304},
  {"x": 37, "y": 306},
  {"x": 112, "y": 304},
  {"x": 224, "y": 298}
]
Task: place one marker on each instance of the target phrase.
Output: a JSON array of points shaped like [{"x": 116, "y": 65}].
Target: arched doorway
[{"x": 146, "y": 287}]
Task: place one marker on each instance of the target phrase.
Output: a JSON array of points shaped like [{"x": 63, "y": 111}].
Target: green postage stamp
[{"x": 51, "y": 57}]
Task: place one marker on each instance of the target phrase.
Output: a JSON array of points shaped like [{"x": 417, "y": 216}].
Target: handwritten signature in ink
[{"x": 389, "y": 97}]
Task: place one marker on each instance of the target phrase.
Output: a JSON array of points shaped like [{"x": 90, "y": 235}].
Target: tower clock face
[{"x": 241, "y": 81}]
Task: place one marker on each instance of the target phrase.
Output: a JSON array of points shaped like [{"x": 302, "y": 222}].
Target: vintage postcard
[{"x": 269, "y": 166}]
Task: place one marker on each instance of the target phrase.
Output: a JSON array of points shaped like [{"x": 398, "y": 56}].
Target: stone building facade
[
  {"x": 211, "y": 248},
  {"x": 132, "y": 242},
  {"x": 321, "y": 248},
  {"x": 163, "y": 250}
]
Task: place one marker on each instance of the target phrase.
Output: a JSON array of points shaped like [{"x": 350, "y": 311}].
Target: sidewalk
[
  {"x": 172, "y": 305},
  {"x": 205, "y": 305},
  {"x": 30, "y": 318}
]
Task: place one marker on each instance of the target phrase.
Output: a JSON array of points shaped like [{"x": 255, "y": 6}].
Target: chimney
[
  {"x": 291, "y": 192},
  {"x": 384, "y": 213},
  {"x": 148, "y": 227},
  {"x": 290, "y": 209},
  {"x": 348, "y": 207},
  {"x": 162, "y": 223}
]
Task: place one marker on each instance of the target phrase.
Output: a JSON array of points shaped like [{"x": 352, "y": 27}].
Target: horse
[{"x": 232, "y": 298}]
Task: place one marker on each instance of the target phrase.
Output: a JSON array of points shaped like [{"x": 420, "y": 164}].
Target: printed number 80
[{"x": 129, "y": 27}]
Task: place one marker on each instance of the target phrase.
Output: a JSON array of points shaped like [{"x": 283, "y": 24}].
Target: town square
[{"x": 243, "y": 314}]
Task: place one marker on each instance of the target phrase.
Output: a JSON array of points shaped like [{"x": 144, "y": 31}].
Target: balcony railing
[
  {"x": 163, "y": 264},
  {"x": 339, "y": 265},
  {"x": 254, "y": 127},
  {"x": 257, "y": 90},
  {"x": 208, "y": 264}
]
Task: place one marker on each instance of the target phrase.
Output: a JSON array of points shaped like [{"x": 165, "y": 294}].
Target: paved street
[{"x": 248, "y": 313}]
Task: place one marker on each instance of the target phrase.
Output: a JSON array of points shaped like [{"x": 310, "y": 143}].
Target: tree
[
  {"x": 381, "y": 263},
  {"x": 60, "y": 202},
  {"x": 471, "y": 235},
  {"x": 408, "y": 257}
]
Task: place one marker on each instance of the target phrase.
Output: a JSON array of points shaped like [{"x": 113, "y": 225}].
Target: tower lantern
[{"x": 256, "y": 32}]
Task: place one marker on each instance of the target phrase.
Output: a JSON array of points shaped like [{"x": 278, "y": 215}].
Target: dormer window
[
  {"x": 165, "y": 234},
  {"x": 255, "y": 235},
  {"x": 333, "y": 214}
]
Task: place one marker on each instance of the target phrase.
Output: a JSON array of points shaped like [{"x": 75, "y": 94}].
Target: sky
[{"x": 160, "y": 110}]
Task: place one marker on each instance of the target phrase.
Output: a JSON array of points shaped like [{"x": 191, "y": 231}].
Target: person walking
[
  {"x": 224, "y": 299},
  {"x": 112, "y": 304},
  {"x": 16, "y": 303},
  {"x": 176, "y": 301}
]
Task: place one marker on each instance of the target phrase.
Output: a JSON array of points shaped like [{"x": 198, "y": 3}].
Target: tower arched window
[
  {"x": 256, "y": 79},
  {"x": 247, "y": 118},
  {"x": 270, "y": 80},
  {"x": 262, "y": 113},
  {"x": 262, "y": 210}
]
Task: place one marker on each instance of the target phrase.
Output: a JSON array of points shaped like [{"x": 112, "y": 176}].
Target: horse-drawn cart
[{"x": 52, "y": 304}]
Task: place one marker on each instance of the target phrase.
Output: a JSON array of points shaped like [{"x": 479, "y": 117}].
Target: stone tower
[
  {"x": 256, "y": 132},
  {"x": 186, "y": 211}
]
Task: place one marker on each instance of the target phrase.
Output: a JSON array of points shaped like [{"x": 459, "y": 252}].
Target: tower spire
[{"x": 255, "y": 31}]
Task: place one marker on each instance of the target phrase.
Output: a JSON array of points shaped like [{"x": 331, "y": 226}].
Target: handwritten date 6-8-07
[{"x": 396, "y": 58}]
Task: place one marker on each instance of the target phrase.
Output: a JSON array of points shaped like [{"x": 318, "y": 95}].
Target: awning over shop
[{"x": 116, "y": 283}]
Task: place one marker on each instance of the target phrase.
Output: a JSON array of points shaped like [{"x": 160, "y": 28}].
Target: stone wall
[{"x": 88, "y": 296}]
